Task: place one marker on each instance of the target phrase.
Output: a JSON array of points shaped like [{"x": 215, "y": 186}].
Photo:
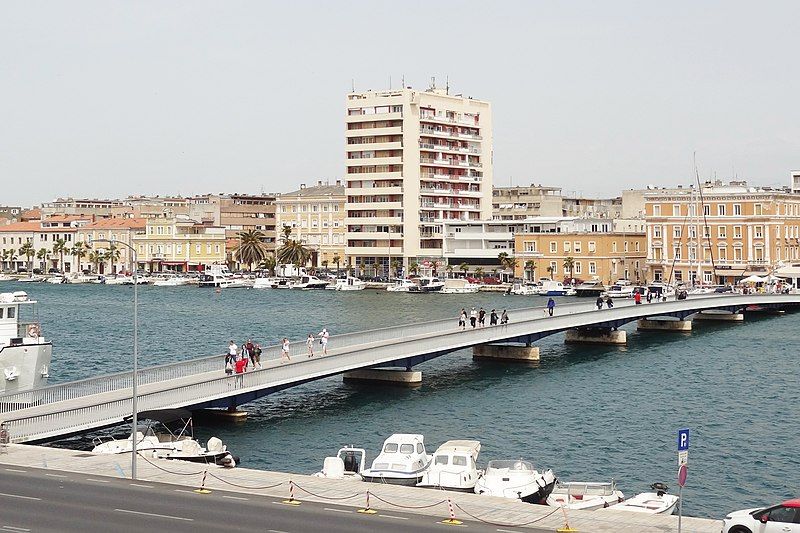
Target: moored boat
[
  {"x": 454, "y": 466},
  {"x": 347, "y": 464},
  {"x": 516, "y": 479},
  {"x": 656, "y": 502},
  {"x": 402, "y": 461},
  {"x": 459, "y": 286},
  {"x": 427, "y": 284},
  {"x": 24, "y": 352},
  {"x": 349, "y": 283},
  {"x": 584, "y": 496},
  {"x": 401, "y": 285},
  {"x": 590, "y": 289}
]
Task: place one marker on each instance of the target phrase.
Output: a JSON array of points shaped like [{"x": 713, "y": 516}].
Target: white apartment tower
[{"x": 415, "y": 160}]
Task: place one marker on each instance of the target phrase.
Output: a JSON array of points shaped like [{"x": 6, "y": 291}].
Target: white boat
[
  {"x": 622, "y": 289},
  {"x": 517, "y": 480},
  {"x": 262, "y": 283},
  {"x": 5, "y": 277},
  {"x": 309, "y": 282},
  {"x": 656, "y": 502},
  {"x": 118, "y": 280},
  {"x": 401, "y": 285},
  {"x": 459, "y": 286},
  {"x": 216, "y": 276},
  {"x": 427, "y": 284},
  {"x": 57, "y": 280},
  {"x": 24, "y": 352},
  {"x": 590, "y": 289},
  {"x": 161, "y": 442},
  {"x": 555, "y": 288},
  {"x": 348, "y": 464},
  {"x": 32, "y": 279},
  {"x": 584, "y": 496},
  {"x": 170, "y": 281},
  {"x": 348, "y": 284},
  {"x": 524, "y": 289},
  {"x": 402, "y": 461},
  {"x": 454, "y": 466}
]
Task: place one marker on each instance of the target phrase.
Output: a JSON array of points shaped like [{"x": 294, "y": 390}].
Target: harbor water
[{"x": 590, "y": 413}]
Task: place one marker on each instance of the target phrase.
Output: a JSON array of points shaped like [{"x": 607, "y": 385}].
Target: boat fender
[
  {"x": 33, "y": 330},
  {"x": 605, "y": 505}
]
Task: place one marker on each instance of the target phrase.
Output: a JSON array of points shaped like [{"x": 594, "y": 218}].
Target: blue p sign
[{"x": 683, "y": 440}]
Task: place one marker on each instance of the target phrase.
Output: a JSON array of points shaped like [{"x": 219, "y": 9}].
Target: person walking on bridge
[
  {"x": 230, "y": 357},
  {"x": 493, "y": 318},
  {"x": 503, "y": 318},
  {"x": 637, "y": 297},
  {"x": 551, "y": 305},
  {"x": 285, "y": 350},
  {"x": 462, "y": 319},
  {"x": 255, "y": 356},
  {"x": 323, "y": 340},
  {"x": 609, "y": 302},
  {"x": 599, "y": 303},
  {"x": 473, "y": 317},
  {"x": 482, "y": 317},
  {"x": 310, "y": 344}
]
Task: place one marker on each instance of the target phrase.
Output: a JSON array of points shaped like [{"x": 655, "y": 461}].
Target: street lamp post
[{"x": 135, "y": 381}]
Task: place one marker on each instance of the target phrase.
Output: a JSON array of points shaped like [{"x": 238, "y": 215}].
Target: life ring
[{"x": 33, "y": 331}]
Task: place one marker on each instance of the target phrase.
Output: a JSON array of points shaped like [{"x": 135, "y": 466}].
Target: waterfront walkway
[
  {"x": 237, "y": 490},
  {"x": 76, "y": 407}
]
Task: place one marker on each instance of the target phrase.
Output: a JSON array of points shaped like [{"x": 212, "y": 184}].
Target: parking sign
[{"x": 683, "y": 440}]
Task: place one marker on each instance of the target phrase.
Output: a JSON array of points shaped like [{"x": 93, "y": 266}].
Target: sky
[{"x": 106, "y": 98}]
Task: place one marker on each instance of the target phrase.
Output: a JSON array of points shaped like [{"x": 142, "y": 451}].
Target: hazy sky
[{"x": 108, "y": 98}]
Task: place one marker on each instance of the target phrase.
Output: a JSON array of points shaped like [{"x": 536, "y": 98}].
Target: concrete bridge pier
[
  {"x": 506, "y": 352},
  {"x": 391, "y": 376},
  {"x": 609, "y": 336},
  {"x": 719, "y": 316},
  {"x": 663, "y": 324}
]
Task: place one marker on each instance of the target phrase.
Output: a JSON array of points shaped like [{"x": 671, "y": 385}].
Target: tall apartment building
[
  {"x": 732, "y": 232},
  {"x": 415, "y": 160},
  {"x": 521, "y": 202},
  {"x": 316, "y": 216}
]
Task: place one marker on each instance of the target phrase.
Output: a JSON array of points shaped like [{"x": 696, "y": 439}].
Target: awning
[
  {"x": 729, "y": 272},
  {"x": 173, "y": 263}
]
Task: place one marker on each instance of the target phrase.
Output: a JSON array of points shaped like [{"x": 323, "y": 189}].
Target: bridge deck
[{"x": 79, "y": 406}]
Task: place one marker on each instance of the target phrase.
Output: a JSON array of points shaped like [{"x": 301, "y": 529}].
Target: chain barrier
[
  {"x": 231, "y": 483},
  {"x": 139, "y": 454},
  {"x": 409, "y": 506},
  {"x": 499, "y": 524},
  {"x": 327, "y": 497}
]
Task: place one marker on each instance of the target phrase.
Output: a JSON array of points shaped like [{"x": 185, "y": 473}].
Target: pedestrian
[
  {"x": 462, "y": 319},
  {"x": 609, "y": 302},
  {"x": 285, "y": 350},
  {"x": 473, "y": 317},
  {"x": 599, "y": 302},
  {"x": 310, "y": 344},
  {"x": 649, "y": 297},
  {"x": 323, "y": 340},
  {"x": 256, "y": 356},
  {"x": 5, "y": 438},
  {"x": 504, "y": 318},
  {"x": 551, "y": 305},
  {"x": 493, "y": 318},
  {"x": 232, "y": 351},
  {"x": 241, "y": 368},
  {"x": 637, "y": 297},
  {"x": 249, "y": 347},
  {"x": 482, "y": 317}
]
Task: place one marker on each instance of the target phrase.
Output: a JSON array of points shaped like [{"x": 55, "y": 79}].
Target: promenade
[{"x": 243, "y": 496}]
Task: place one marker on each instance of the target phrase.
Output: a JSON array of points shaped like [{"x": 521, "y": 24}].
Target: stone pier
[
  {"x": 505, "y": 352},
  {"x": 406, "y": 378},
  {"x": 654, "y": 324},
  {"x": 596, "y": 336},
  {"x": 720, "y": 316}
]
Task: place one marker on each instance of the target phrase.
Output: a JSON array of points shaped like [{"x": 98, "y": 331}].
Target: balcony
[
  {"x": 361, "y": 176},
  {"x": 374, "y": 235},
  {"x": 397, "y": 145},
  {"x": 374, "y": 161},
  {"x": 443, "y": 119},
  {"x": 374, "y": 132},
  {"x": 373, "y": 250},
  {"x": 372, "y": 221},
  {"x": 432, "y": 191},
  {"x": 431, "y": 176},
  {"x": 373, "y": 117},
  {"x": 372, "y": 206},
  {"x": 372, "y": 191}
]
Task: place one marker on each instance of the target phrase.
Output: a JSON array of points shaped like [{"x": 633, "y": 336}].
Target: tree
[
  {"x": 501, "y": 257},
  {"x": 413, "y": 267},
  {"x": 550, "y": 270},
  {"x": 42, "y": 256},
  {"x": 59, "y": 247},
  {"x": 112, "y": 255},
  {"x": 28, "y": 251},
  {"x": 10, "y": 255},
  {"x": 336, "y": 261},
  {"x": 251, "y": 248},
  {"x": 95, "y": 258},
  {"x": 269, "y": 263},
  {"x": 287, "y": 233},
  {"x": 463, "y": 267},
  {"x": 325, "y": 264},
  {"x": 569, "y": 264},
  {"x": 510, "y": 263},
  {"x": 530, "y": 266},
  {"x": 293, "y": 252},
  {"x": 378, "y": 267},
  {"x": 479, "y": 272},
  {"x": 79, "y": 251},
  {"x": 395, "y": 266}
]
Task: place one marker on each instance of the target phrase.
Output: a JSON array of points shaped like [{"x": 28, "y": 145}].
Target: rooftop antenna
[
  {"x": 403, "y": 81},
  {"x": 390, "y": 82},
  {"x": 433, "y": 82},
  {"x": 353, "y": 84},
  {"x": 447, "y": 84}
]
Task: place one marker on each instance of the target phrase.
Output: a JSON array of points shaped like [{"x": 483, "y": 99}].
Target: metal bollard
[{"x": 452, "y": 521}]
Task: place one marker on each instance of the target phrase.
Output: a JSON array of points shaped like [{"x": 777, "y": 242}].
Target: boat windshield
[
  {"x": 442, "y": 459},
  {"x": 390, "y": 447},
  {"x": 511, "y": 465},
  {"x": 406, "y": 448},
  {"x": 459, "y": 460}
]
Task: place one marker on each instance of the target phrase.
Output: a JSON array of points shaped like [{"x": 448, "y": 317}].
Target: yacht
[
  {"x": 347, "y": 464},
  {"x": 348, "y": 284},
  {"x": 401, "y": 285},
  {"x": 118, "y": 280},
  {"x": 24, "y": 352},
  {"x": 584, "y": 496},
  {"x": 554, "y": 288},
  {"x": 590, "y": 289},
  {"x": 216, "y": 276},
  {"x": 402, "y": 461},
  {"x": 308, "y": 282},
  {"x": 170, "y": 281},
  {"x": 656, "y": 502},
  {"x": 32, "y": 279},
  {"x": 454, "y": 466},
  {"x": 159, "y": 440},
  {"x": 622, "y": 289},
  {"x": 459, "y": 286},
  {"x": 427, "y": 284},
  {"x": 58, "y": 279},
  {"x": 516, "y": 480},
  {"x": 524, "y": 289}
]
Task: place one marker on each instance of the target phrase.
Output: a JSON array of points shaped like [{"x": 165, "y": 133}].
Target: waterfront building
[
  {"x": 521, "y": 202},
  {"x": 118, "y": 229},
  {"x": 179, "y": 243},
  {"x": 316, "y": 216},
  {"x": 79, "y": 206},
  {"x": 415, "y": 160},
  {"x": 733, "y": 231},
  {"x": 796, "y": 181},
  {"x": 42, "y": 234}
]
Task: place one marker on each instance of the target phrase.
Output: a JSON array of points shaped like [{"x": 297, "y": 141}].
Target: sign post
[{"x": 683, "y": 461}]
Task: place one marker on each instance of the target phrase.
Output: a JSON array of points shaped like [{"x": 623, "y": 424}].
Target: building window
[
  {"x": 577, "y": 247},
  {"x": 567, "y": 246},
  {"x": 707, "y": 210},
  {"x": 637, "y": 246},
  {"x": 692, "y": 232},
  {"x": 656, "y": 210},
  {"x": 216, "y": 248},
  {"x": 197, "y": 249},
  {"x": 530, "y": 246},
  {"x": 553, "y": 268},
  {"x": 656, "y": 235},
  {"x": 592, "y": 247},
  {"x": 759, "y": 232},
  {"x": 553, "y": 247},
  {"x": 592, "y": 267},
  {"x": 676, "y": 232},
  {"x": 721, "y": 210},
  {"x": 614, "y": 246},
  {"x": 676, "y": 210},
  {"x": 577, "y": 267},
  {"x": 737, "y": 210},
  {"x": 679, "y": 276},
  {"x": 758, "y": 210},
  {"x": 722, "y": 253},
  {"x": 179, "y": 248},
  {"x": 721, "y": 232}
]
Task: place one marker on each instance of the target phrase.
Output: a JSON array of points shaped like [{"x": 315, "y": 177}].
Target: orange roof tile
[
  {"x": 67, "y": 218},
  {"x": 21, "y": 226},
  {"x": 120, "y": 223}
]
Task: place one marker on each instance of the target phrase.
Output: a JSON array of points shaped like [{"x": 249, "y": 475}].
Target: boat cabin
[{"x": 19, "y": 323}]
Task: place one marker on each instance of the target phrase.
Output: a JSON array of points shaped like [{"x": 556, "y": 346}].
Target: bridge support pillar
[
  {"x": 720, "y": 316},
  {"x": 596, "y": 336},
  {"x": 505, "y": 352},
  {"x": 412, "y": 378},
  {"x": 650, "y": 324}
]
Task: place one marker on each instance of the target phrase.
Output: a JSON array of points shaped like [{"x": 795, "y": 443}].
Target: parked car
[
  {"x": 53, "y": 271},
  {"x": 723, "y": 289},
  {"x": 784, "y": 517},
  {"x": 37, "y": 271}
]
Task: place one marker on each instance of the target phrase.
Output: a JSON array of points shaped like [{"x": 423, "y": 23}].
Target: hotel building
[
  {"x": 179, "y": 244},
  {"x": 415, "y": 160},
  {"x": 116, "y": 229}
]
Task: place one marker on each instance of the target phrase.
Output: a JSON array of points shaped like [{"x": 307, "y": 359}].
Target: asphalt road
[{"x": 35, "y": 500}]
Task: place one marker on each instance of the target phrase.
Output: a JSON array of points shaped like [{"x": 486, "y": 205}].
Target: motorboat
[
  {"x": 401, "y": 285},
  {"x": 262, "y": 283},
  {"x": 32, "y": 279},
  {"x": 347, "y": 464},
  {"x": 556, "y": 288},
  {"x": 309, "y": 282},
  {"x": 24, "y": 352},
  {"x": 5, "y": 277},
  {"x": 622, "y": 289},
  {"x": 590, "y": 289},
  {"x": 57, "y": 280},
  {"x": 459, "y": 286},
  {"x": 170, "y": 281},
  {"x": 454, "y": 466},
  {"x": 168, "y": 435},
  {"x": 402, "y": 461},
  {"x": 427, "y": 284},
  {"x": 118, "y": 280},
  {"x": 584, "y": 496},
  {"x": 349, "y": 283},
  {"x": 517, "y": 480},
  {"x": 216, "y": 276},
  {"x": 656, "y": 502},
  {"x": 524, "y": 289}
]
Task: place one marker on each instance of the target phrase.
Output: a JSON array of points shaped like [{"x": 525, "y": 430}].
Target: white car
[{"x": 782, "y": 518}]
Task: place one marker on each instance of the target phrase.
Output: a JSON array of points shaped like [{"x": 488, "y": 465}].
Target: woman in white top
[
  {"x": 285, "y": 350},
  {"x": 310, "y": 345}
]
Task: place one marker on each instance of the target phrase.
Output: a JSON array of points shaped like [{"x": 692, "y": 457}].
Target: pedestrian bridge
[{"x": 75, "y": 407}]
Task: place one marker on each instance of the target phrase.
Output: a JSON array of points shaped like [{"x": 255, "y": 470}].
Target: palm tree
[
  {"x": 28, "y": 251},
  {"x": 336, "y": 260},
  {"x": 325, "y": 265},
  {"x": 59, "y": 247},
  {"x": 79, "y": 252},
  {"x": 479, "y": 273},
  {"x": 11, "y": 256},
  {"x": 293, "y": 252},
  {"x": 377, "y": 266},
  {"x": 449, "y": 270},
  {"x": 42, "y": 255},
  {"x": 287, "y": 233},
  {"x": 269, "y": 263},
  {"x": 550, "y": 270},
  {"x": 463, "y": 267},
  {"x": 569, "y": 264},
  {"x": 530, "y": 266},
  {"x": 112, "y": 254},
  {"x": 95, "y": 258},
  {"x": 510, "y": 263},
  {"x": 251, "y": 248},
  {"x": 413, "y": 267},
  {"x": 4, "y": 255},
  {"x": 395, "y": 266}
]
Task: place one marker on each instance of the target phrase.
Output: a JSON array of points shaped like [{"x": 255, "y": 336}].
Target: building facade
[
  {"x": 45, "y": 235},
  {"x": 521, "y": 202},
  {"x": 116, "y": 229},
  {"x": 9, "y": 214},
  {"x": 415, "y": 160},
  {"x": 179, "y": 244},
  {"x": 729, "y": 232},
  {"x": 316, "y": 216},
  {"x": 796, "y": 181}
]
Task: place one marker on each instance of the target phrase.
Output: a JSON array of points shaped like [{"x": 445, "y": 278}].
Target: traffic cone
[
  {"x": 367, "y": 509},
  {"x": 291, "y": 500},
  {"x": 452, "y": 521}
]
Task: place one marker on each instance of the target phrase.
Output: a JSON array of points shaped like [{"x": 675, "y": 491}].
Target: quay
[
  {"x": 235, "y": 494},
  {"x": 76, "y": 407}
]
